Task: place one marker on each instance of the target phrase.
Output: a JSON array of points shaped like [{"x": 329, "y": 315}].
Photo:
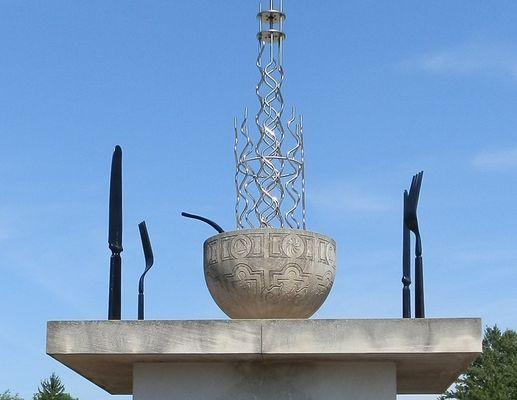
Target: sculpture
[
  {"x": 115, "y": 235},
  {"x": 270, "y": 267},
  {"x": 411, "y": 225},
  {"x": 149, "y": 261}
]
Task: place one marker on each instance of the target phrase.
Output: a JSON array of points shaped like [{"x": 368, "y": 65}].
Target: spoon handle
[
  {"x": 140, "y": 306},
  {"x": 419, "y": 288}
]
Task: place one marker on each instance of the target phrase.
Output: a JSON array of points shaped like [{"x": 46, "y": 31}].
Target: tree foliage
[
  {"x": 52, "y": 389},
  {"x": 493, "y": 376},
  {"x": 7, "y": 395}
]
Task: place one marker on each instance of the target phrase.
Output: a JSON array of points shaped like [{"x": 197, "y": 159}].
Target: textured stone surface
[
  {"x": 331, "y": 380},
  {"x": 269, "y": 273},
  {"x": 429, "y": 354}
]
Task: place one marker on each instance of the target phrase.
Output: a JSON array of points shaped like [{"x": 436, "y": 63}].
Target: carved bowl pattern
[{"x": 269, "y": 272}]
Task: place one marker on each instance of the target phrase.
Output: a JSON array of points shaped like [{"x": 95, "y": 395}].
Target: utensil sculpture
[
  {"x": 149, "y": 261},
  {"x": 411, "y": 224},
  {"x": 115, "y": 235},
  {"x": 406, "y": 263}
]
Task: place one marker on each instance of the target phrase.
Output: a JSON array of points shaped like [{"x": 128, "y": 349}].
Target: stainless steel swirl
[{"x": 269, "y": 178}]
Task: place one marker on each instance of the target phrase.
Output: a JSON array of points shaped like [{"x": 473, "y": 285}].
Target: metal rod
[{"x": 302, "y": 173}]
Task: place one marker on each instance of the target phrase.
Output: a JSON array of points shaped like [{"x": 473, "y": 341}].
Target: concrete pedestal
[
  {"x": 265, "y": 381},
  {"x": 268, "y": 359}
]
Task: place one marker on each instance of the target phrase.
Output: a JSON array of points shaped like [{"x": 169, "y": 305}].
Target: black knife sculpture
[
  {"x": 411, "y": 224},
  {"x": 115, "y": 234},
  {"x": 149, "y": 261},
  {"x": 406, "y": 263}
]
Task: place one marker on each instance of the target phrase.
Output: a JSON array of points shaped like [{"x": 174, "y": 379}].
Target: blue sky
[{"x": 386, "y": 89}]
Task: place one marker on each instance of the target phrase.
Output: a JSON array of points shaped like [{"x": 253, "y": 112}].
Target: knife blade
[{"x": 115, "y": 203}]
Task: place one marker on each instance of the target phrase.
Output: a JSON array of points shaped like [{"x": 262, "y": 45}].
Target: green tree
[
  {"x": 7, "y": 395},
  {"x": 52, "y": 389},
  {"x": 493, "y": 376}
]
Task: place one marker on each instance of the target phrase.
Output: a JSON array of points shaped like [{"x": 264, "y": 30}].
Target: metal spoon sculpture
[
  {"x": 149, "y": 261},
  {"x": 115, "y": 235},
  {"x": 206, "y": 220},
  {"x": 411, "y": 224}
]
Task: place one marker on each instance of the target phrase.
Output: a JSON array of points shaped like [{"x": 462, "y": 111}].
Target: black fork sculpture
[
  {"x": 149, "y": 261},
  {"x": 411, "y": 225}
]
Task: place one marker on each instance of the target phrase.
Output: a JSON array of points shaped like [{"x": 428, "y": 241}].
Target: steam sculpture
[{"x": 270, "y": 267}]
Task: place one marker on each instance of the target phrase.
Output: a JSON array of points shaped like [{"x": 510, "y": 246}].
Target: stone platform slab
[{"x": 428, "y": 354}]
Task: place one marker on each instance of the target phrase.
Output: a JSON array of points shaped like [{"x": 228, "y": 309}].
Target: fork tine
[
  {"x": 412, "y": 187},
  {"x": 419, "y": 184},
  {"x": 411, "y": 199}
]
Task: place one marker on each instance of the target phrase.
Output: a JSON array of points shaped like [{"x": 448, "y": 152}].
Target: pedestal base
[
  {"x": 265, "y": 381},
  {"x": 306, "y": 359}
]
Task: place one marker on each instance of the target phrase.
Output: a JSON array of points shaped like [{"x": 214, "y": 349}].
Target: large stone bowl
[{"x": 269, "y": 272}]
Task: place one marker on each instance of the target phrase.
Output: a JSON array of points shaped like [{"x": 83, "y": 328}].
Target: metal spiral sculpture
[{"x": 269, "y": 176}]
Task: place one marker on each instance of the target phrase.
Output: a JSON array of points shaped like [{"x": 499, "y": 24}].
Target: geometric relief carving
[
  {"x": 309, "y": 247},
  {"x": 244, "y": 277},
  {"x": 290, "y": 282},
  {"x": 331, "y": 255},
  {"x": 275, "y": 245},
  {"x": 322, "y": 251},
  {"x": 293, "y": 246},
  {"x": 240, "y": 246},
  {"x": 257, "y": 245},
  {"x": 212, "y": 252},
  {"x": 225, "y": 248},
  {"x": 324, "y": 283}
]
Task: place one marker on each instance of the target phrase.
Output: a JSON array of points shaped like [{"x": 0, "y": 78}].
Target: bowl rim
[{"x": 271, "y": 229}]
